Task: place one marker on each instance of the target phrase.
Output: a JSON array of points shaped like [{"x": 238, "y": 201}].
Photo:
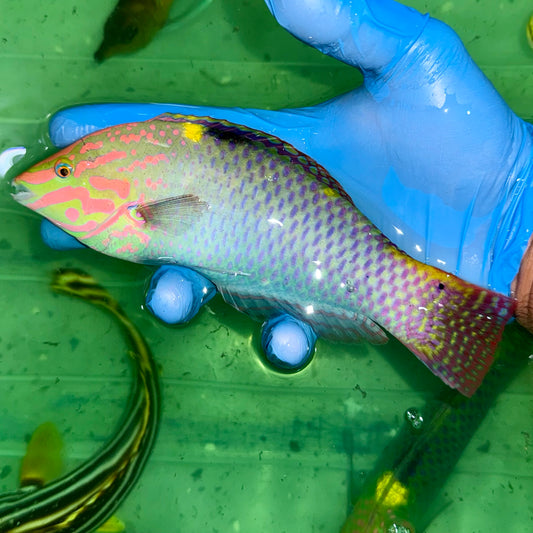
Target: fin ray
[
  {"x": 460, "y": 330},
  {"x": 184, "y": 210},
  {"x": 328, "y": 322}
]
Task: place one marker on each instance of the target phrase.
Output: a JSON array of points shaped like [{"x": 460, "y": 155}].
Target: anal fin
[{"x": 328, "y": 322}]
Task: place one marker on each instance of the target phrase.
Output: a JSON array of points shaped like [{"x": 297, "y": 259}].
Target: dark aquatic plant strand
[
  {"x": 84, "y": 499},
  {"x": 399, "y": 495}
]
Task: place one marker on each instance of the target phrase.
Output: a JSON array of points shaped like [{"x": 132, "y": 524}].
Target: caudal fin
[{"x": 455, "y": 328}]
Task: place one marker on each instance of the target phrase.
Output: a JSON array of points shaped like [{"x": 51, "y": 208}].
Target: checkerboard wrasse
[{"x": 271, "y": 228}]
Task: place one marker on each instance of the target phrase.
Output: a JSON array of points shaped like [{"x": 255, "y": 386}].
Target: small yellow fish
[
  {"x": 131, "y": 26},
  {"x": 43, "y": 460},
  {"x": 43, "y": 463}
]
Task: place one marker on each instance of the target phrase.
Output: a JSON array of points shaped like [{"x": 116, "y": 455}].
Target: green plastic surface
[{"x": 241, "y": 449}]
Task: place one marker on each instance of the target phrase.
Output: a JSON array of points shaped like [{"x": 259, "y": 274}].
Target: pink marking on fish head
[
  {"x": 92, "y": 188},
  {"x": 78, "y": 188}
]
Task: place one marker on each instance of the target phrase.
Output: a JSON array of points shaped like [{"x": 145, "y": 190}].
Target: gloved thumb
[{"x": 369, "y": 34}]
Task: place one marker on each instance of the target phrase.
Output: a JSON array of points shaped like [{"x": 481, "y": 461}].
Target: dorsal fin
[{"x": 237, "y": 133}]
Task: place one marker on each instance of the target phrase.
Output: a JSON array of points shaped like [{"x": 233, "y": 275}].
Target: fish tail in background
[
  {"x": 131, "y": 26},
  {"x": 451, "y": 325},
  {"x": 81, "y": 285},
  {"x": 415, "y": 465},
  {"x": 43, "y": 461}
]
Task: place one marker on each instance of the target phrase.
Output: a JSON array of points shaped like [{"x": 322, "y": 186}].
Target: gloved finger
[
  {"x": 58, "y": 239},
  {"x": 288, "y": 343},
  {"x": 369, "y": 34},
  {"x": 68, "y": 125},
  {"x": 176, "y": 294}
]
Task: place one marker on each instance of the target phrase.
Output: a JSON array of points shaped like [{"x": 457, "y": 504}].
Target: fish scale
[{"x": 271, "y": 228}]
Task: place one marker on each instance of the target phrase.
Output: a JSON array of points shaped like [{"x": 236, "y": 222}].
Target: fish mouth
[{"x": 20, "y": 193}]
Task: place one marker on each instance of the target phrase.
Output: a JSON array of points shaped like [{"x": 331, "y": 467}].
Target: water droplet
[
  {"x": 414, "y": 418},
  {"x": 396, "y": 528}
]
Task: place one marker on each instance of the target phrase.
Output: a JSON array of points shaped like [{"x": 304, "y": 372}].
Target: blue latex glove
[
  {"x": 58, "y": 239},
  {"x": 176, "y": 294},
  {"x": 288, "y": 343},
  {"x": 426, "y": 148}
]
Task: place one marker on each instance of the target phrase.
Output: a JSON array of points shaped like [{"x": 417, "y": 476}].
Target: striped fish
[
  {"x": 84, "y": 499},
  {"x": 271, "y": 228}
]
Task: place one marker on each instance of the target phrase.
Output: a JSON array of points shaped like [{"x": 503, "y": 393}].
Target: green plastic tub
[{"x": 241, "y": 448}]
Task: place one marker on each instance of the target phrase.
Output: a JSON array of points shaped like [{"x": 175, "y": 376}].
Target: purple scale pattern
[{"x": 270, "y": 211}]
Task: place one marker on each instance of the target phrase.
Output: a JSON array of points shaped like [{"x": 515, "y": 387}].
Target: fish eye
[{"x": 63, "y": 170}]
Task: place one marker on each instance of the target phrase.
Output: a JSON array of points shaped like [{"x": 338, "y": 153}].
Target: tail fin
[{"x": 455, "y": 328}]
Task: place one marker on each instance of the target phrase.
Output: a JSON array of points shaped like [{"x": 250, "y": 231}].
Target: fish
[
  {"x": 271, "y": 228},
  {"x": 399, "y": 495},
  {"x": 131, "y": 26},
  {"x": 85, "y": 499},
  {"x": 43, "y": 461}
]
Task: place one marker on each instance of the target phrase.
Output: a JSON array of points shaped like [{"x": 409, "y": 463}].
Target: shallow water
[{"x": 240, "y": 447}]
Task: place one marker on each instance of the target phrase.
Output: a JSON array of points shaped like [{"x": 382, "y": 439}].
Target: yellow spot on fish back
[
  {"x": 390, "y": 492},
  {"x": 192, "y": 131},
  {"x": 328, "y": 191}
]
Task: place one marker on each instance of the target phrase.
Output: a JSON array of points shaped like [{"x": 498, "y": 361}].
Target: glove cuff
[{"x": 522, "y": 289}]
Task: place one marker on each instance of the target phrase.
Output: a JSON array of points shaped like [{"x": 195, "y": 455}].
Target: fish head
[
  {"x": 92, "y": 190},
  {"x": 43, "y": 461}
]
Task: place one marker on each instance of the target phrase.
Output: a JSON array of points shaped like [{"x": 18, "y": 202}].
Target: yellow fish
[
  {"x": 43, "y": 460},
  {"x": 529, "y": 31},
  {"x": 43, "y": 463}
]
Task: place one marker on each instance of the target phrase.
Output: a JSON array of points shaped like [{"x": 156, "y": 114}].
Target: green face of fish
[{"x": 92, "y": 188}]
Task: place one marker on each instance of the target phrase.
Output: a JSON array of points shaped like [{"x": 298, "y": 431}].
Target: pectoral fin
[{"x": 171, "y": 213}]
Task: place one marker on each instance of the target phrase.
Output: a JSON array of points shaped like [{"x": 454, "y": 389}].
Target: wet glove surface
[{"x": 426, "y": 148}]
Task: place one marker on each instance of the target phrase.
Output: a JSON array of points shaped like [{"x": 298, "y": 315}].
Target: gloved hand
[{"x": 426, "y": 148}]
